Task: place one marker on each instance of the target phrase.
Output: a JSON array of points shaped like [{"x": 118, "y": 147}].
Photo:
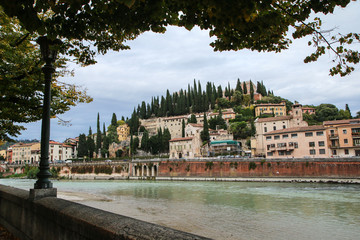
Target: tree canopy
[
  {"x": 260, "y": 25},
  {"x": 22, "y": 81}
]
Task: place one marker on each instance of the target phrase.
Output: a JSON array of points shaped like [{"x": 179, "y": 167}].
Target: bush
[
  {"x": 209, "y": 165},
  {"x": 82, "y": 169},
  {"x": 252, "y": 165},
  {"x": 32, "y": 171},
  {"x": 103, "y": 169}
]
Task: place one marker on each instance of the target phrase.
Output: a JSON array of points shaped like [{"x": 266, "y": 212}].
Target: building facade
[
  {"x": 297, "y": 142},
  {"x": 123, "y": 131},
  {"x": 343, "y": 137},
  {"x": 271, "y": 108},
  {"x": 186, "y": 147},
  {"x": 266, "y": 125}
]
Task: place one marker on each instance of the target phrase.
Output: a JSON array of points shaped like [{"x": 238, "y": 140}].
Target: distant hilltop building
[
  {"x": 275, "y": 109},
  {"x": 123, "y": 132}
]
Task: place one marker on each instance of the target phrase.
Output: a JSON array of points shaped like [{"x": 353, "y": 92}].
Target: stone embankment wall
[
  {"x": 329, "y": 168},
  {"x": 54, "y": 218}
]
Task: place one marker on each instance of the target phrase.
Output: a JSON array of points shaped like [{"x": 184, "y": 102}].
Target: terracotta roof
[
  {"x": 271, "y": 119},
  {"x": 197, "y": 125},
  {"x": 297, "y": 129},
  {"x": 181, "y": 139},
  {"x": 344, "y": 121},
  {"x": 270, "y": 104},
  {"x": 175, "y": 117}
]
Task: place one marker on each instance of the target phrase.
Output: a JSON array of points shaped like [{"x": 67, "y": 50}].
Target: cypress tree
[
  {"x": 142, "y": 112},
  {"x": 192, "y": 119},
  {"x": 347, "y": 109},
  {"x": 238, "y": 86},
  {"x": 98, "y": 135},
  {"x": 220, "y": 92},
  {"x": 165, "y": 140},
  {"x": 90, "y": 144},
  {"x": 205, "y": 136},
  {"x": 145, "y": 141},
  {"x": 82, "y": 147},
  {"x": 244, "y": 88},
  {"x": 214, "y": 93},
  {"x": 148, "y": 111},
  {"x": 114, "y": 120},
  {"x": 251, "y": 92}
]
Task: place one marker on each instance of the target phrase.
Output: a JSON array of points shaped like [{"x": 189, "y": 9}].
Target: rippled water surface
[{"x": 227, "y": 210}]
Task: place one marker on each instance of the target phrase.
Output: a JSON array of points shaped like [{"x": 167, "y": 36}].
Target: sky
[{"x": 157, "y": 62}]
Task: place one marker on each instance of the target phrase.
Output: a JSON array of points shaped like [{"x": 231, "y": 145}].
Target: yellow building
[
  {"x": 123, "y": 132},
  {"x": 278, "y": 109}
]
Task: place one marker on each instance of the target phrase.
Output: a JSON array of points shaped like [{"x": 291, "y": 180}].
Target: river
[{"x": 226, "y": 210}]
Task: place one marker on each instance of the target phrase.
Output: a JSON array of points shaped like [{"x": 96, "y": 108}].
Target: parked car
[
  {"x": 108, "y": 161},
  {"x": 59, "y": 161},
  {"x": 68, "y": 161}
]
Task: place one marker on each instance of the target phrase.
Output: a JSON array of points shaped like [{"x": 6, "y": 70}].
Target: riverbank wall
[
  {"x": 53, "y": 218},
  {"x": 261, "y": 168}
]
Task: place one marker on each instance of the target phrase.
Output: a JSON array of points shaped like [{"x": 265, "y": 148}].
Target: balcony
[
  {"x": 355, "y": 134},
  {"x": 336, "y": 145},
  {"x": 334, "y": 136}
]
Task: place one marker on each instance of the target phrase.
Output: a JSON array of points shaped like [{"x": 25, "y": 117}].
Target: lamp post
[{"x": 49, "y": 53}]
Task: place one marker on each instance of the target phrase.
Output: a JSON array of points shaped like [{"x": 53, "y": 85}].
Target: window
[
  {"x": 321, "y": 143},
  {"x": 274, "y": 127},
  {"x": 268, "y": 138},
  {"x": 345, "y": 141},
  {"x": 308, "y": 134},
  {"x": 311, "y": 144},
  {"x": 319, "y": 133},
  {"x": 269, "y": 154},
  {"x": 294, "y": 135},
  {"x": 322, "y": 151},
  {"x": 296, "y": 145},
  {"x": 344, "y": 131},
  {"x": 334, "y": 152},
  {"x": 281, "y": 153},
  {"x": 276, "y": 137},
  {"x": 346, "y": 151},
  {"x": 285, "y": 136},
  {"x": 312, "y": 151},
  {"x": 265, "y": 129}
]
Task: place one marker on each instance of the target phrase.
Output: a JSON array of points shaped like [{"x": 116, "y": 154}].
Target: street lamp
[{"x": 49, "y": 49}]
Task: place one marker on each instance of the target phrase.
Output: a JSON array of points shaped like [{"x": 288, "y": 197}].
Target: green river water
[{"x": 226, "y": 210}]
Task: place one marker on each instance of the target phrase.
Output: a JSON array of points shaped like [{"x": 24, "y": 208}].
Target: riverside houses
[
  {"x": 343, "y": 137},
  {"x": 298, "y": 142},
  {"x": 186, "y": 147},
  {"x": 267, "y": 125}
]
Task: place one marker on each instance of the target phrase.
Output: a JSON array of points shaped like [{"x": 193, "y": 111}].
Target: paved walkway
[{"x": 6, "y": 235}]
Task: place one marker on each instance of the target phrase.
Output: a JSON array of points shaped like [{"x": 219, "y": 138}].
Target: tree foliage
[
  {"x": 22, "y": 81},
  {"x": 235, "y": 25}
]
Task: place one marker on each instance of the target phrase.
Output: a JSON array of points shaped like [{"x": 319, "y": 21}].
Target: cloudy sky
[{"x": 157, "y": 62}]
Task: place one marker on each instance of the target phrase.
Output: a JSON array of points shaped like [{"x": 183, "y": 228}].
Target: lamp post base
[{"x": 36, "y": 194}]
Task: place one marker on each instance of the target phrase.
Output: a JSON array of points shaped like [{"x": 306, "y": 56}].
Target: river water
[{"x": 226, "y": 210}]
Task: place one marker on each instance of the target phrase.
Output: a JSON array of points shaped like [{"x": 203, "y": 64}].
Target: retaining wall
[
  {"x": 261, "y": 168},
  {"x": 53, "y": 218}
]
